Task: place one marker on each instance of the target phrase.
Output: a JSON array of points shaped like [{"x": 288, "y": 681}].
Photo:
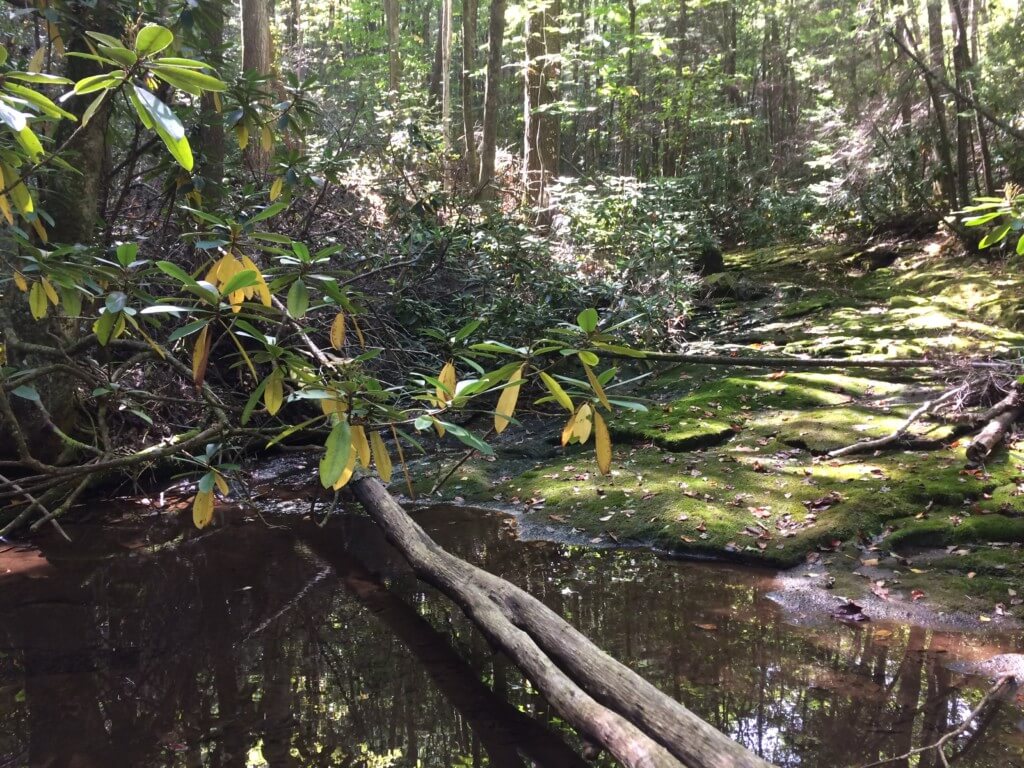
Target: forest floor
[{"x": 730, "y": 463}]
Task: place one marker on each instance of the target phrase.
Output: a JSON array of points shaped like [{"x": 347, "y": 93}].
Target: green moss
[{"x": 956, "y": 530}]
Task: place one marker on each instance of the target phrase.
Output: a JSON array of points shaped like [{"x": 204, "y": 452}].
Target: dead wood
[
  {"x": 603, "y": 699},
  {"x": 926, "y": 407},
  {"x": 992, "y": 434}
]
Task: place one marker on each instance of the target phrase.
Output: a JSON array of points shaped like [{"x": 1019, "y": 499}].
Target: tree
[
  {"x": 541, "y": 119},
  {"x": 492, "y": 90},
  {"x": 469, "y": 22}
]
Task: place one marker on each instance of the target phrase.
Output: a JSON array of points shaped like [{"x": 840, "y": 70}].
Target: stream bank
[{"x": 730, "y": 464}]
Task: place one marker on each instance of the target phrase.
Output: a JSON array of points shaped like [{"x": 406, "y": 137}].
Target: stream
[{"x": 283, "y": 644}]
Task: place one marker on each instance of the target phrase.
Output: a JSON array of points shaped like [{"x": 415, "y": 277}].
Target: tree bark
[
  {"x": 937, "y": 62},
  {"x": 446, "y": 72},
  {"x": 961, "y": 65},
  {"x": 211, "y": 131},
  {"x": 541, "y": 123},
  {"x": 469, "y": 20},
  {"x": 391, "y": 19},
  {"x": 257, "y": 57},
  {"x": 605, "y": 700},
  {"x": 492, "y": 86}
]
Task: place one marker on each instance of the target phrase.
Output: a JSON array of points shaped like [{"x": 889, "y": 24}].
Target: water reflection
[{"x": 315, "y": 647}]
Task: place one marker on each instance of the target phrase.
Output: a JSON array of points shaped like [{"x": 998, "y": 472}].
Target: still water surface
[{"x": 257, "y": 645}]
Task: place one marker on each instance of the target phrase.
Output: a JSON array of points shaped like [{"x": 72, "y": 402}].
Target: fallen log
[
  {"x": 992, "y": 434},
  {"x": 603, "y": 699}
]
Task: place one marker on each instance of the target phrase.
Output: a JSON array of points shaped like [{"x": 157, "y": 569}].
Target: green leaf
[
  {"x": 338, "y": 445},
  {"x": 30, "y": 143},
  {"x": 254, "y": 398},
  {"x": 152, "y": 38},
  {"x": 40, "y": 78},
  {"x": 172, "y": 269},
  {"x": 188, "y": 79},
  {"x": 14, "y": 119},
  {"x": 179, "y": 62},
  {"x": 122, "y": 56},
  {"x": 996, "y": 235},
  {"x": 37, "y": 100},
  {"x": 298, "y": 299},
  {"x": 587, "y": 320},
  {"x": 99, "y": 82},
  {"x": 1020, "y": 246},
  {"x": 588, "y": 358},
  {"x": 468, "y": 438},
  {"x": 266, "y": 213},
  {"x": 167, "y": 125},
  {"x": 28, "y": 392},
  {"x": 556, "y": 390},
  {"x": 93, "y": 107},
  {"x": 243, "y": 279}
]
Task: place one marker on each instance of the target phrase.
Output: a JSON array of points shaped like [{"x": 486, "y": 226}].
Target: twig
[
  {"x": 869, "y": 445},
  {"x": 994, "y": 692}
]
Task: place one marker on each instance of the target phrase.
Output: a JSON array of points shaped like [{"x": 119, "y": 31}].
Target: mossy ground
[{"x": 730, "y": 463}]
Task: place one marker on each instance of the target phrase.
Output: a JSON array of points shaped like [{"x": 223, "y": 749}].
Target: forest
[{"x": 424, "y": 384}]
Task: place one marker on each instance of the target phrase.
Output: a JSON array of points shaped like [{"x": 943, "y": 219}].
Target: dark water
[{"x": 253, "y": 645}]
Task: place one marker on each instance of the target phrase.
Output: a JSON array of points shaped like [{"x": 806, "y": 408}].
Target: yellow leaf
[
  {"x": 275, "y": 188},
  {"x": 35, "y": 64},
  {"x": 5, "y": 209},
  {"x": 347, "y": 472},
  {"x": 273, "y": 394},
  {"x": 338, "y": 331},
  {"x": 556, "y": 390},
  {"x": 567, "y": 431},
  {"x": 217, "y": 106},
  {"x": 55, "y": 38},
  {"x": 37, "y": 225},
  {"x": 202, "y": 509},
  {"x": 507, "y": 402},
  {"x": 16, "y": 188},
  {"x": 242, "y": 132},
  {"x": 405, "y": 467},
  {"x": 37, "y": 303},
  {"x": 359, "y": 332},
  {"x": 361, "y": 446},
  {"x": 596, "y": 386},
  {"x": 381, "y": 457},
  {"x": 261, "y": 285},
  {"x": 19, "y": 280},
  {"x": 51, "y": 294},
  {"x": 221, "y": 483},
  {"x": 447, "y": 377},
  {"x": 438, "y": 426},
  {"x": 201, "y": 355},
  {"x": 213, "y": 276},
  {"x": 266, "y": 138},
  {"x": 333, "y": 405},
  {"x": 602, "y": 445},
  {"x": 581, "y": 431}
]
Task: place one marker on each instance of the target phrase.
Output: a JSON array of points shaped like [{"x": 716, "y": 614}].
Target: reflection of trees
[{"x": 197, "y": 653}]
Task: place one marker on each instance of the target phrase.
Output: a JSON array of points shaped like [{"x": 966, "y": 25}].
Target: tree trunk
[
  {"x": 391, "y": 18},
  {"x": 937, "y": 60},
  {"x": 211, "y": 131},
  {"x": 541, "y": 123},
  {"x": 492, "y": 87},
  {"x": 446, "y": 72},
  {"x": 961, "y": 65},
  {"x": 469, "y": 14},
  {"x": 257, "y": 57},
  {"x": 603, "y": 699}
]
